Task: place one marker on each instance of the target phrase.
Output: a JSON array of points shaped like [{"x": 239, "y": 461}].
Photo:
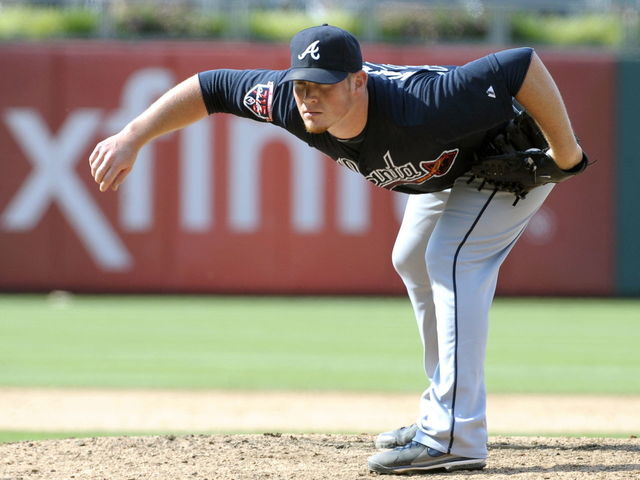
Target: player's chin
[{"x": 312, "y": 127}]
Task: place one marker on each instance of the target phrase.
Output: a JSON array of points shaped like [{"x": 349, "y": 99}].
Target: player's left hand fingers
[
  {"x": 95, "y": 160},
  {"x": 107, "y": 174},
  {"x": 102, "y": 167},
  {"x": 119, "y": 179}
]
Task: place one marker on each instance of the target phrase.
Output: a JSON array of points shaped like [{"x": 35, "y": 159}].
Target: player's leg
[
  {"x": 408, "y": 257},
  {"x": 472, "y": 237},
  {"x": 420, "y": 218}
]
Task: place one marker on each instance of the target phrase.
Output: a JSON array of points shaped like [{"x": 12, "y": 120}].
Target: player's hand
[{"x": 112, "y": 160}]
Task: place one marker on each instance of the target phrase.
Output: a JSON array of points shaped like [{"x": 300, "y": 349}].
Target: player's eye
[{"x": 302, "y": 89}]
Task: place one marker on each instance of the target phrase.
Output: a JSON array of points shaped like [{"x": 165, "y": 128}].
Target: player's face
[{"x": 324, "y": 106}]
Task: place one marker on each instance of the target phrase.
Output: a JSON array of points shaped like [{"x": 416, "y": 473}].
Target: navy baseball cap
[{"x": 323, "y": 54}]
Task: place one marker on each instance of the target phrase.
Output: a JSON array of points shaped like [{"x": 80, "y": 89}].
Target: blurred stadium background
[
  {"x": 229, "y": 206},
  {"x": 609, "y": 23}
]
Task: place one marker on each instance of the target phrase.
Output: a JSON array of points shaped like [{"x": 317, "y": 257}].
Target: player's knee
[
  {"x": 401, "y": 259},
  {"x": 408, "y": 260}
]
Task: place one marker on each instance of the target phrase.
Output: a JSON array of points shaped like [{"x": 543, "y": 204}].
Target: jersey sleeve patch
[{"x": 259, "y": 101}]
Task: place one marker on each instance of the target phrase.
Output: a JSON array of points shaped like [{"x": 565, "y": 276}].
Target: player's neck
[{"x": 355, "y": 121}]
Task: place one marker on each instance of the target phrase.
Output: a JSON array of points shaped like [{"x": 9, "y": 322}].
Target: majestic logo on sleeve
[
  {"x": 259, "y": 99},
  {"x": 395, "y": 175},
  {"x": 313, "y": 49}
]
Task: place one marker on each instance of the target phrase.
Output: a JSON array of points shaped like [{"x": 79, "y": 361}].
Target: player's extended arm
[
  {"x": 113, "y": 158},
  {"x": 540, "y": 96}
]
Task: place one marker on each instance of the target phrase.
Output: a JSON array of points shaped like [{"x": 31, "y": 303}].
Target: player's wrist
[
  {"x": 566, "y": 159},
  {"x": 134, "y": 136}
]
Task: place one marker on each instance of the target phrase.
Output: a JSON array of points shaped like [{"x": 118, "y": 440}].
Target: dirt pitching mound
[{"x": 300, "y": 457}]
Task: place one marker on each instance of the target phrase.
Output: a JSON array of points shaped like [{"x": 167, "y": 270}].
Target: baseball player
[{"x": 412, "y": 129}]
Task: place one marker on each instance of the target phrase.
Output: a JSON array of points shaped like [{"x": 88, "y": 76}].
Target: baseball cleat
[
  {"x": 396, "y": 438},
  {"x": 415, "y": 457}
]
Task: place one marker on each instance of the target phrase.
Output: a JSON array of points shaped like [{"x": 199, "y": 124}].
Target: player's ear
[{"x": 360, "y": 79}]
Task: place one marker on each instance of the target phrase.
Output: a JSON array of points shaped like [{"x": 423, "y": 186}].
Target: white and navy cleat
[{"x": 415, "y": 457}]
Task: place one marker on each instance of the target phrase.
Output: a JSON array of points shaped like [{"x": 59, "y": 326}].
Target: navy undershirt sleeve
[{"x": 514, "y": 64}]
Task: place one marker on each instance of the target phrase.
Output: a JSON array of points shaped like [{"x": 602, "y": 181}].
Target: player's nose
[{"x": 311, "y": 94}]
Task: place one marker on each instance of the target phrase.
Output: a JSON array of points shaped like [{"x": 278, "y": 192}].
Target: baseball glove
[{"x": 515, "y": 160}]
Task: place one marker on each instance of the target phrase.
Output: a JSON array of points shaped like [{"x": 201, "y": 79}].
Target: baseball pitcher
[{"x": 478, "y": 147}]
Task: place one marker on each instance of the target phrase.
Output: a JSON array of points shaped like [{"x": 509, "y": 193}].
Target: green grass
[
  {"x": 207, "y": 342},
  {"x": 589, "y": 346},
  {"x": 17, "y": 436},
  {"x": 11, "y": 436},
  {"x": 360, "y": 344}
]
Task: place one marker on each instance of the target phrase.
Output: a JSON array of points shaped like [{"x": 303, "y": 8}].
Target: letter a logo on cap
[{"x": 312, "y": 50}]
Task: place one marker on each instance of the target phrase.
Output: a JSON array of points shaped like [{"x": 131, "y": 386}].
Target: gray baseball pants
[{"x": 448, "y": 252}]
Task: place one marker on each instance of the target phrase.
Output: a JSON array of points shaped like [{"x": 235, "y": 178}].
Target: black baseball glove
[{"x": 515, "y": 160}]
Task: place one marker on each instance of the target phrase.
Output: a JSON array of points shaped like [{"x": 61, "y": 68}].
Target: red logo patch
[
  {"x": 441, "y": 165},
  {"x": 258, "y": 100}
]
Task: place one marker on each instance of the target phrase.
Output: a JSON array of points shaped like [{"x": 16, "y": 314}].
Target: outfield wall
[
  {"x": 628, "y": 200},
  {"x": 231, "y": 205}
]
